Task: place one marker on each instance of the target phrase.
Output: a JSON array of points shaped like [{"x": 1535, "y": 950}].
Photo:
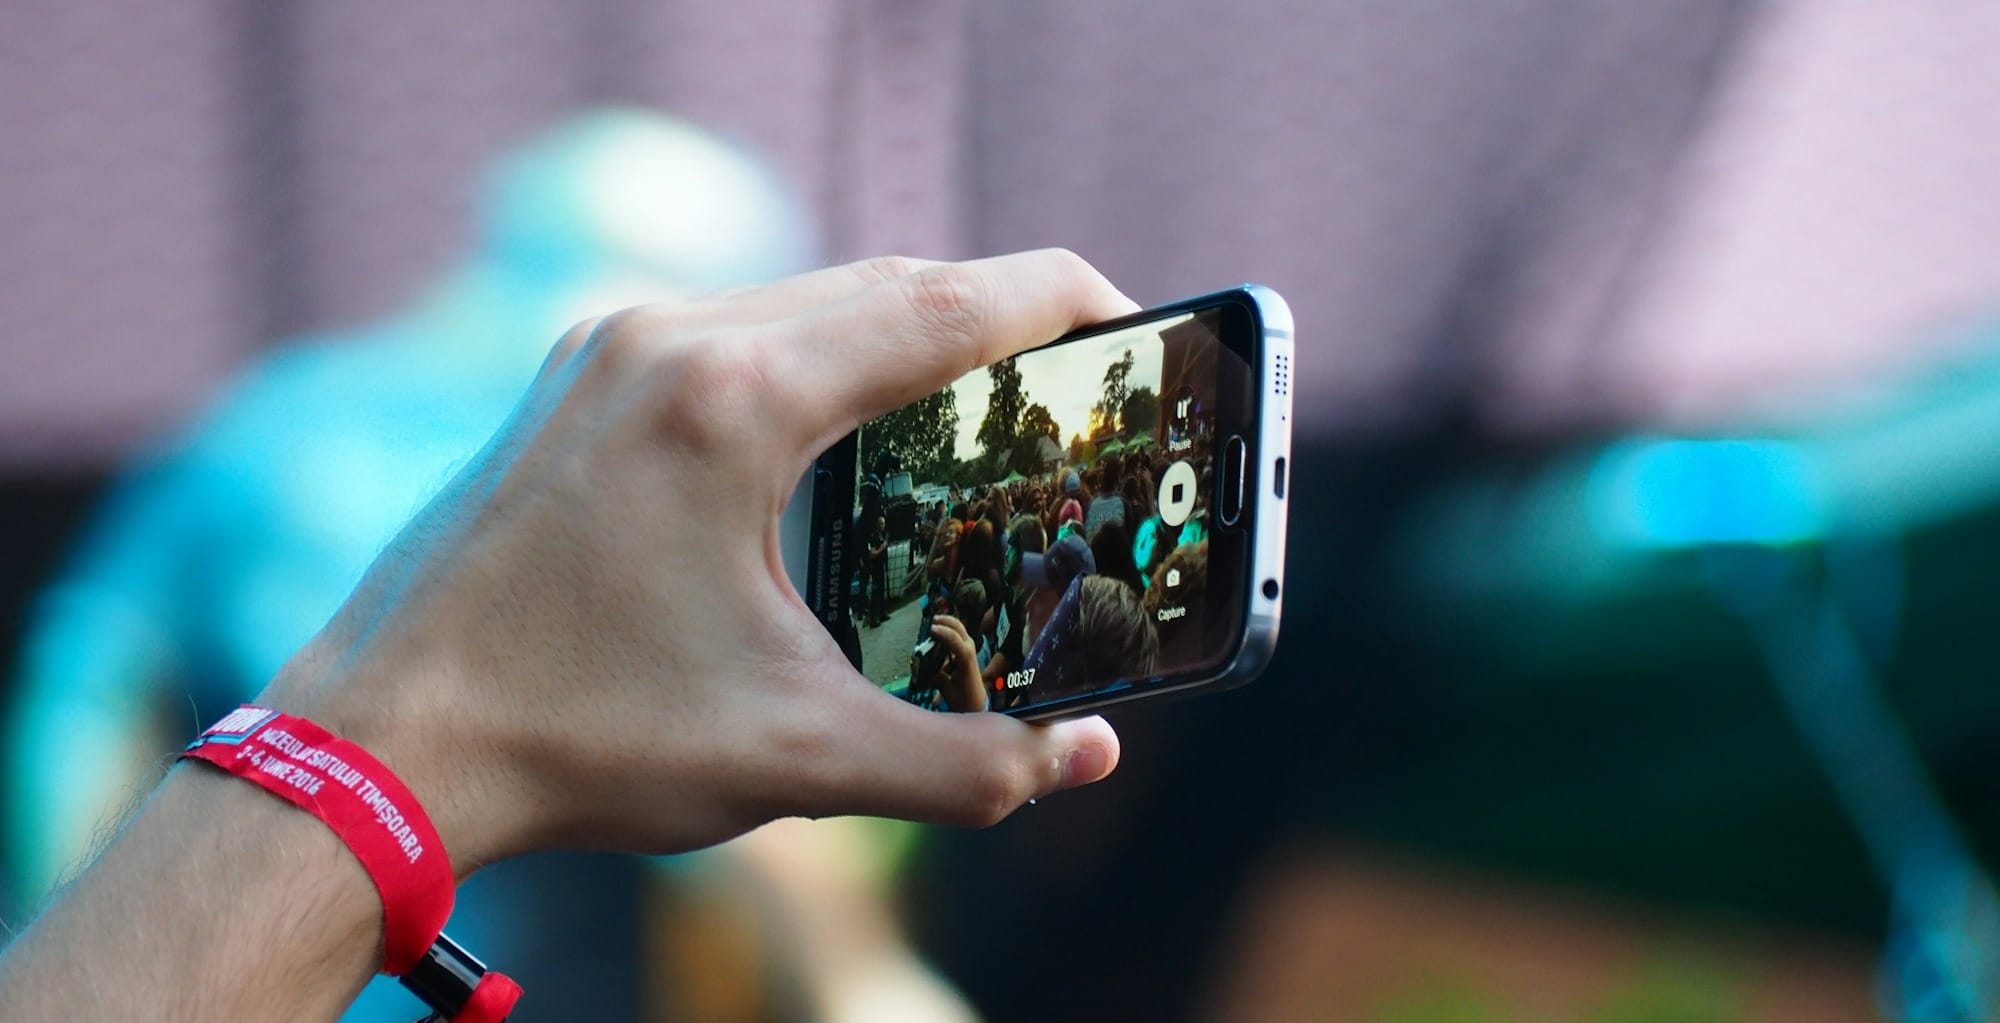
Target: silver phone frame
[{"x": 1265, "y": 591}]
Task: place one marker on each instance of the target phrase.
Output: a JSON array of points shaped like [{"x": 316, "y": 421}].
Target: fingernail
[{"x": 1085, "y": 765}]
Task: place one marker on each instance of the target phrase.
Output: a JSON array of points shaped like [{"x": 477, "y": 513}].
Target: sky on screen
[{"x": 1068, "y": 379}]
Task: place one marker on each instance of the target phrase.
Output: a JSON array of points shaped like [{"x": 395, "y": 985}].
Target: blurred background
[{"x": 1646, "y": 535}]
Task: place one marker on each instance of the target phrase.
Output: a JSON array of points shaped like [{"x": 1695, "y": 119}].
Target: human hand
[
  {"x": 588, "y": 639},
  {"x": 962, "y": 686}
]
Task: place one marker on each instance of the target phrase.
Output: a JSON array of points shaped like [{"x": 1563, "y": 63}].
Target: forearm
[{"x": 217, "y": 901}]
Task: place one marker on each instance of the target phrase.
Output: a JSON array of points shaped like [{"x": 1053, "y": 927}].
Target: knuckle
[
  {"x": 1071, "y": 265},
  {"x": 573, "y": 339},
  {"x": 949, "y": 301},
  {"x": 884, "y": 269},
  {"x": 709, "y": 389},
  {"x": 623, "y": 339},
  {"x": 1075, "y": 272},
  {"x": 638, "y": 335}
]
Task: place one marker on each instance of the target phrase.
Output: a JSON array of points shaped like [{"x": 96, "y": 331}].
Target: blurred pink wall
[{"x": 1558, "y": 211}]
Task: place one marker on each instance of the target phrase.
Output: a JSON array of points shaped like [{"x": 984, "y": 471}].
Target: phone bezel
[{"x": 1256, "y": 325}]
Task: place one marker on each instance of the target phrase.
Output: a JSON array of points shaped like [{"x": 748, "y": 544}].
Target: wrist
[
  {"x": 410, "y": 717},
  {"x": 381, "y": 821},
  {"x": 242, "y": 907}
]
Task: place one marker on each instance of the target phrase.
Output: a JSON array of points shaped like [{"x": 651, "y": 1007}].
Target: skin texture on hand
[{"x": 588, "y": 640}]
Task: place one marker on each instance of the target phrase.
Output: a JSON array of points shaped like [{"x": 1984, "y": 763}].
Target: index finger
[{"x": 905, "y": 338}]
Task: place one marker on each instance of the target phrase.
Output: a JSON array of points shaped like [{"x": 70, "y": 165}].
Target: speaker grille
[{"x": 1281, "y": 375}]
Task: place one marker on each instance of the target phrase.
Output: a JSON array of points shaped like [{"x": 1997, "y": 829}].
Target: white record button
[{"x": 1177, "y": 487}]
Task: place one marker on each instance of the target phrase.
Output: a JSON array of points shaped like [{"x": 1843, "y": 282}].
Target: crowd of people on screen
[{"x": 1044, "y": 587}]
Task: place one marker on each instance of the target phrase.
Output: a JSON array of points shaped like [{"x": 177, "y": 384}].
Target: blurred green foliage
[{"x": 1667, "y": 989}]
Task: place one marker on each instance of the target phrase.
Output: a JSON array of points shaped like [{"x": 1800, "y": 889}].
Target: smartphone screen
[{"x": 1046, "y": 530}]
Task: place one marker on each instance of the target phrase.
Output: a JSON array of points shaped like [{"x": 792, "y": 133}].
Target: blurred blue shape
[
  {"x": 1670, "y": 492},
  {"x": 584, "y": 205},
  {"x": 1930, "y": 453},
  {"x": 216, "y": 558}
]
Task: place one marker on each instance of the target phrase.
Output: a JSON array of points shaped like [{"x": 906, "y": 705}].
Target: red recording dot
[{"x": 999, "y": 682}]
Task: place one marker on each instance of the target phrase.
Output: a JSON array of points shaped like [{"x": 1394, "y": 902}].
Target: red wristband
[{"x": 361, "y": 800}]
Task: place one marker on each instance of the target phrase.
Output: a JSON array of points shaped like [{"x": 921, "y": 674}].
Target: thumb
[{"x": 964, "y": 769}]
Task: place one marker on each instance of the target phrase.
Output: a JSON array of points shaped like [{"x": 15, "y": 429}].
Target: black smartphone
[{"x": 1093, "y": 521}]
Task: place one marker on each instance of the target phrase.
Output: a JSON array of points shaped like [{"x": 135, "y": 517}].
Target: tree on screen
[
  {"x": 1037, "y": 425},
  {"x": 922, "y": 435},
  {"x": 1081, "y": 450},
  {"x": 1140, "y": 411},
  {"x": 1001, "y": 428},
  {"x": 1039, "y": 422},
  {"x": 976, "y": 471},
  {"x": 1117, "y": 387}
]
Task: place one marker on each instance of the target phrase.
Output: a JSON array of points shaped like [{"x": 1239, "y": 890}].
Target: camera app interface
[{"x": 1039, "y": 530}]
